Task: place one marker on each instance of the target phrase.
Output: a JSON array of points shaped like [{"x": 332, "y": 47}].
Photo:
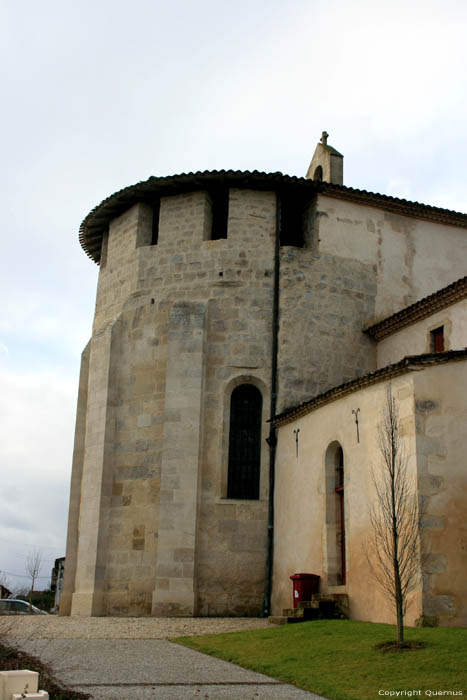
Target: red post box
[{"x": 304, "y": 585}]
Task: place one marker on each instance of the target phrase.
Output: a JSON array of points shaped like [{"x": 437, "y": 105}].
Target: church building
[{"x": 246, "y": 330}]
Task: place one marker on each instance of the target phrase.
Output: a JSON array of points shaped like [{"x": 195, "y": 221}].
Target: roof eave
[
  {"x": 407, "y": 364},
  {"x": 95, "y": 223}
]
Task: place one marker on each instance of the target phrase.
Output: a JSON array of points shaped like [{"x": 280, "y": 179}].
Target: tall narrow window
[
  {"x": 220, "y": 213},
  {"x": 155, "y": 222},
  {"x": 244, "y": 442},
  {"x": 335, "y": 514},
  {"x": 104, "y": 250},
  {"x": 339, "y": 491}
]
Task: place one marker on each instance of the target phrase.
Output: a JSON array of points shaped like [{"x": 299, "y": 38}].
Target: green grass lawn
[{"x": 338, "y": 659}]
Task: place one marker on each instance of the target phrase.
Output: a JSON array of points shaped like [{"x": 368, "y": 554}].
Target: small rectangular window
[
  {"x": 293, "y": 219},
  {"x": 437, "y": 339}
]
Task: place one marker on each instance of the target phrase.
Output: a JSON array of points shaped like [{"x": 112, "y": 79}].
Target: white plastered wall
[{"x": 413, "y": 257}]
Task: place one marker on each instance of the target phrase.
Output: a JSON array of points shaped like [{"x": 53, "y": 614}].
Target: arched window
[
  {"x": 335, "y": 514},
  {"x": 246, "y": 405}
]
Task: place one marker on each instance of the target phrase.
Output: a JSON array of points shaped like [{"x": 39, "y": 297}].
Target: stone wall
[
  {"x": 168, "y": 449},
  {"x": 324, "y": 303},
  {"x": 440, "y": 411},
  {"x": 359, "y": 264}
]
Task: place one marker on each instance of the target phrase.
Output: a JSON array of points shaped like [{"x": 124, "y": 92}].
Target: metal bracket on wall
[
  {"x": 355, "y": 413},
  {"x": 296, "y": 440}
]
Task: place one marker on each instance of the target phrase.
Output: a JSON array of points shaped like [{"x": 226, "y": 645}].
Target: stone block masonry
[{"x": 175, "y": 585}]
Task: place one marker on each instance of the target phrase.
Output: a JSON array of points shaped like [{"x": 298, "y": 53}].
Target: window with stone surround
[
  {"x": 246, "y": 403},
  {"x": 335, "y": 514},
  {"x": 437, "y": 339}
]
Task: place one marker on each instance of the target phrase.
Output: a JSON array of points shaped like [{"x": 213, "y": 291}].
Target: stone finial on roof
[{"x": 324, "y": 138}]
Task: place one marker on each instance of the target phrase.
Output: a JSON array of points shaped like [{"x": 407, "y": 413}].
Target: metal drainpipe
[{"x": 272, "y": 439}]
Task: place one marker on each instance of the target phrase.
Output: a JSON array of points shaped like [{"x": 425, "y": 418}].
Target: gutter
[{"x": 272, "y": 438}]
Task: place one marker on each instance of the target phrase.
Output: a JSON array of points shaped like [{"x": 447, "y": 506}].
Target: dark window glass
[
  {"x": 244, "y": 442},
  {"x": 339, "y": 468},
  {"x": 19, "y": 607}
]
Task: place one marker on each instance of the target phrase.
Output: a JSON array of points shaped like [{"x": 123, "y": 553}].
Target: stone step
[
  {"x": 304, "y": 604},
  {"x": 278, "y": 619},
  {"x": 292, "y": 612},
  {"x": 341, "y": 598},
  {"x": 322, "y": 605}
]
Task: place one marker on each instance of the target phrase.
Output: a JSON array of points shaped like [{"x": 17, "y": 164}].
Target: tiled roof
[
  {"x": 97, "y": 221},
  {"x": 409, "y": 363},
  {"x": 421, "y": 309}
]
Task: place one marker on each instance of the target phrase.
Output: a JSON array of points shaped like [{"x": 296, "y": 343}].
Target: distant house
[{"x": 4, "y": 591}]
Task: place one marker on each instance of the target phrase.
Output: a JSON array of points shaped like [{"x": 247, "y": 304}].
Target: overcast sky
[{"x": 99, "y": 95}]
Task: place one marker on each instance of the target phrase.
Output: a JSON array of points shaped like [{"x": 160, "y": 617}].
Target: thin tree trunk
[{"x": 392, "y": 552}]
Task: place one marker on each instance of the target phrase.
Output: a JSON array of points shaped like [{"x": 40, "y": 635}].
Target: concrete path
[{"x": 143, "y": 669}]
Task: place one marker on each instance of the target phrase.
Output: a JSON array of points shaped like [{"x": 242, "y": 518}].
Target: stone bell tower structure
[{"x": 327, "y": 164}]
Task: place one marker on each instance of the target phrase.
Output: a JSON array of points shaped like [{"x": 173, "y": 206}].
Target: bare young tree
[
  {"x": 33, "y": 566},
  {"x": 393, "y": 550}
]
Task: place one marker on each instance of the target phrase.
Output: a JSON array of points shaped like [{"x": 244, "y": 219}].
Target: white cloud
[
  {"x": 399, "y": 187},
  {"x": 36, "y": 437}
]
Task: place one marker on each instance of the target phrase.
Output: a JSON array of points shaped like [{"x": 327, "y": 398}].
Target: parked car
[{"x": 11, "y": 606}]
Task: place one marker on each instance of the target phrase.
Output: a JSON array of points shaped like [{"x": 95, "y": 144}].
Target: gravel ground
[
  {"x": 143, "y": 669},
  {"x": 117, "y": 658},
  {"x": 53, "y": 627}
]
